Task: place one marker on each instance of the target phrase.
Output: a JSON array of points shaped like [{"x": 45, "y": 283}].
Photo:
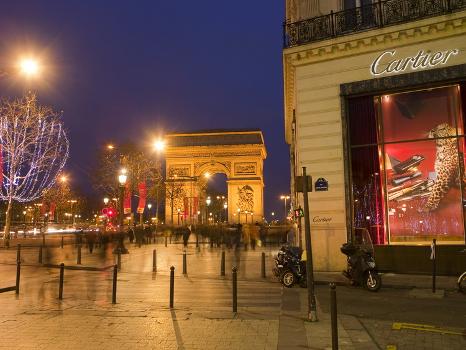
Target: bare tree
[
  {"x": 34, "y": 149},
  {"x": 174, "y": 193},
  {"x": 141, "y": 166}
]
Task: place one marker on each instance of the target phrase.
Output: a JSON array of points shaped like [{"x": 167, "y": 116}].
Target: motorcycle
[
  {"x": 289, "y": 268},
  {"x": 361, "y": 268}
]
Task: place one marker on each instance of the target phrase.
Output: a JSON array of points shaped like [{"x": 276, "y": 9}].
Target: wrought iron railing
[{"x": 379, "y": 14}]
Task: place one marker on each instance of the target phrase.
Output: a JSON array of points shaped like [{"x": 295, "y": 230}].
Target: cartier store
[{"x": 404, "y": 136}]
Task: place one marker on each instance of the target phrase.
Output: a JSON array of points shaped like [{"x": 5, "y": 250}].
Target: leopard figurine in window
[{"x": 446, "y": 164}]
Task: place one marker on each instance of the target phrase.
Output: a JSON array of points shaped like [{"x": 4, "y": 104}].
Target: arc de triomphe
[{"x": 192, "y": 157}]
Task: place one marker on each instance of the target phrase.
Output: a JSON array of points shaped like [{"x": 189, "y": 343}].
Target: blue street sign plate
[{"x": 321, "y": 184}]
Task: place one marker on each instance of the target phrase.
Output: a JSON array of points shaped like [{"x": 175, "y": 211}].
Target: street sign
[
  {"x": 299, "y": 183},
  {"x": 321, "y": 184}
]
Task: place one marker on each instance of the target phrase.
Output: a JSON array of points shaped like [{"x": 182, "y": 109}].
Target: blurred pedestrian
[
  {"x": 130, "y": 235},
  {"x": 90, "y": 238}
]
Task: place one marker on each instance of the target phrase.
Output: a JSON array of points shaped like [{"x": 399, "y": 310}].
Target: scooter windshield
[{"x": 363, "y": 240}]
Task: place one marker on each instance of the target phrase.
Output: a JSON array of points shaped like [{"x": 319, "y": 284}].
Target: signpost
[{"x": 312, "y": 308}]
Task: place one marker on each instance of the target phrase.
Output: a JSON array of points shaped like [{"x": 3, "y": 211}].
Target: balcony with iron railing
[{"x": 377, "y": 15}]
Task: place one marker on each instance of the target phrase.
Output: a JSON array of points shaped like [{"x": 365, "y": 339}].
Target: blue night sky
[{"x": 128, "y": 70}]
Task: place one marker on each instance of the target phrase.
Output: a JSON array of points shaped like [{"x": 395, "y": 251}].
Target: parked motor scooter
[
  {"x": 361, "y": 268},
  {"x": 283, "y": 258},
  {"x": 289, "y": 268}
]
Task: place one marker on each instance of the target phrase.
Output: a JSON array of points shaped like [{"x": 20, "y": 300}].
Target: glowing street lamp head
[
  {"x": 122, "y": 177},
  {"x": 159, "y": 145},
  {"x": 63, "y": 179},
  {"x": 149, "y": 206},
  {"x": 110, "y": 147},
  {"x": 207, "y": 175},
  {"x": 29, "y": 67},
  {"x": 106, "y": 200}
]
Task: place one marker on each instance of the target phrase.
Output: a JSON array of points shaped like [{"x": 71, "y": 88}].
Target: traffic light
[
  {"x": 298, "y": 212},
  {"x": 109, "y": 212}
]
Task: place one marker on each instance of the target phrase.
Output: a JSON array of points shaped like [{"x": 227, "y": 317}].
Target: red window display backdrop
[
  {"x": 394, "y": 173},
  {"x": 422, "y": 175}
]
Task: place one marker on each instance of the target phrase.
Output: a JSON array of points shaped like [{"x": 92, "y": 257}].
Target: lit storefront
[{"x": 379, "y": 111}]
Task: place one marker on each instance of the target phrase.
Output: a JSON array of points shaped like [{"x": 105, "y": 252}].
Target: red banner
[
  {"x": 127, "y": 200},
  {"x": 142, "y": 197},
  {"x": 52, "y": 209}
]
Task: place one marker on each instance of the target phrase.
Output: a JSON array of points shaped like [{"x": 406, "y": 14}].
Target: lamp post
[
  {"x": 149, "y": 206},
  {"x": 246, "y": 214},
  {"x": 239, "y": 215},
  {"x": 198, "y": 214},
  {"x": 122, "y": 181},
  {"x": 285, "y": 198},
  {"x": 207, "y": 201},
  {"x": 178, "y": 210},
  {"x": 225, "y": 206},
  {"x": 122, "y": 177}
]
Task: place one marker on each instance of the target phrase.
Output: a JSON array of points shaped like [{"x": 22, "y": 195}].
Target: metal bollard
[
  {"x": 166, "y": 239},
  {"x": 40, "y": 255},
  {"x": 62, "y": 239},
  {"x": 154, "y": 260},
  {"x": 119, "y": 260},
  {"x": 78, "y": 260},
  {"x": 333, "y": 315},
  {"x": 433, "y": 257},
  {"x": 263, "y": 265},
  {"x": 235, "y": 290},
  {"x": 60, "y": 286},
  {"x": 172, "y": 285},
  {"x": 222, "y": 264},
  {"x": 114, "y": 286},
  {"x": 18, "y": 274},
  {"x": 184, "y": 263},
  {"x": 18, "y": 252}
]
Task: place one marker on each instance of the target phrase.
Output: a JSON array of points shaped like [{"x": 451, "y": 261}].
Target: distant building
[{"x": 375, "y": 103}]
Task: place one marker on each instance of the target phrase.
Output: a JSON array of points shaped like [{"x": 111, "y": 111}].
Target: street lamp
[
  {"x": 285, "y": 198},
  {"x": 246, "y": 214},
  {"x": 122, "y": 181},
  {"x": 149, "y": 206},
  {"x": 159, "y": 145},
  {"x": 207, "y": 201},
  {"x": 106, "y": 200},
  {"x": 29, "y": 67},
  {"x": 225, "y": 206},
  {"x": 239, "y": 215},
  {"x": 178, "y": 210},
  {"x": 122, "y": 177},
  {"x": 72, "y": 201}
]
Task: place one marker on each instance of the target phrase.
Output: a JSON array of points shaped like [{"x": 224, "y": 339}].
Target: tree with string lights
[{"x": 33, "y": 150}]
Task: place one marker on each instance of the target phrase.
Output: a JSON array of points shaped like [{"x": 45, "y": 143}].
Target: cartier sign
[{"x": 389, "y": 63}]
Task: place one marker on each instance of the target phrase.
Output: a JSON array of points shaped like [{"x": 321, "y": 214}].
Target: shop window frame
[{"x": 410, "y": 82}]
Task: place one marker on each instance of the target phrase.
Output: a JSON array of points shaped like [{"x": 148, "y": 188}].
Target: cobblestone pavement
[{"x": 268, "y": 317}]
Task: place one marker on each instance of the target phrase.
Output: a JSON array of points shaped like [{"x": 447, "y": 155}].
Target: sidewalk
[{"x": 269, "y": 316}]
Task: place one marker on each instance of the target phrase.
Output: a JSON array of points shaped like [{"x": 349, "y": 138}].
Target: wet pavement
[{"x": 268, "y": 317}]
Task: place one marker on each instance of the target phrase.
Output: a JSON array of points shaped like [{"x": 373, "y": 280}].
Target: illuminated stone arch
[{"x": 239, "y": 155}]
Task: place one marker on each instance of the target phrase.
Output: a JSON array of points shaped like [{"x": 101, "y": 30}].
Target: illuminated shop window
[{"x": 407, "y": 180}]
